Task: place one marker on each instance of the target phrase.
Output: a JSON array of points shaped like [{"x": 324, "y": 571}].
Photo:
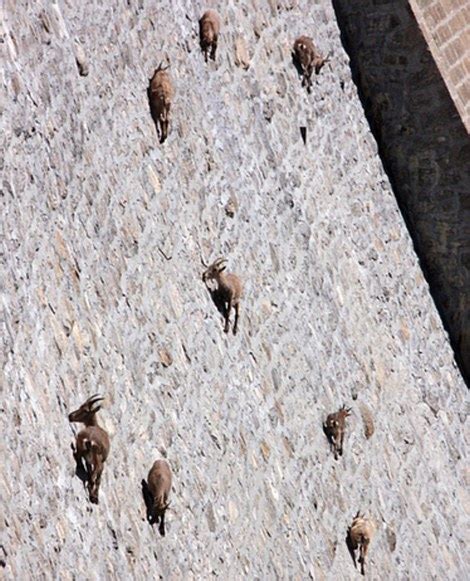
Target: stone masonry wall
[
  {"x": 425, "y": 148},
  {"x": 446, "y": 27},
  {"x": 102, "y": 233}
]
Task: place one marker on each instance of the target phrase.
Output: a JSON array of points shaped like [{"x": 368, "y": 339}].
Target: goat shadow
[
  {"x": 296, "y": 64},
  {"x": 300, "y": 72},
  {"x": 329, "y": 437},
  {"x": 148, "y": 499},
  {"x": 351, "y": 548},
  {"x": 154, "y": 116},
  {"x": 218, "y": 300},
  {"x": 80, "y": 469}
]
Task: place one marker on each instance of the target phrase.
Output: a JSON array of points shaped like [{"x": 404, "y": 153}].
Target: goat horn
[
  {"x": 96, "y": 395},
  {"x": 219, "y": 261},
  {"x": 92, "y": 397},
  {"x": 95, "y": 399}
]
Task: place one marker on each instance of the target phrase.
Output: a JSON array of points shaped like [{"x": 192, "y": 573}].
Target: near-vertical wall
[
  {"x": 418, "y": 117},
  {"x": 101, "y": 234}
]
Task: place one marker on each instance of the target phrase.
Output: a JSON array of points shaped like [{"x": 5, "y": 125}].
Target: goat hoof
[{"x": 94, "y": 499}]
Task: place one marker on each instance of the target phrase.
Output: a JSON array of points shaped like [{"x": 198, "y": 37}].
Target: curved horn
[
  {"x": 94, "y": 398},
  {"x": 94, "y": 403}
]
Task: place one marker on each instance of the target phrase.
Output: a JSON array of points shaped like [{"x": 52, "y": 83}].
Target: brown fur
[
  {"x": 159, "y": 485},
  {"x": 228, "y": 292},
  {"x": 308, "y": 59},
  {"x": 209, "y": 28},
  {"x": 334, "y": 428},
  {"x": 360, "y": 534},
  {"x": 161, "y": 93},
  {"x": 92, "y": 444}
]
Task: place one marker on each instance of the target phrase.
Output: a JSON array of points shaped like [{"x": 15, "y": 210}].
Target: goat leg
[
  {"x": 363, "y": 553},
  {"x": 95, "y": 478},
  {"x": 161, "y": 528},
  {"x": 340, "y": 448},
  {"x": 227, "y": 316},
  {"x": 214, "y": 48},
  {"x": 235, "y": 325}
]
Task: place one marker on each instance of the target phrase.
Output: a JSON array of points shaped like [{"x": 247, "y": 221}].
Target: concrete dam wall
[
  {"x": 407, "y": 59},
  {"x": 103, "y": 230}
]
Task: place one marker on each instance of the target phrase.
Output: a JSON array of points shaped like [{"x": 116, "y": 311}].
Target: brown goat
[
  {"x": 360, "y": 534},
  {"x": 307, "y": 59},
  {"x": 160, "y": 94},
  {"x": 92, "y": 444},
  {"x": 159, "y": 486},
  {"x": 228, "y": 292},
  {"x": 209, "y": 28},
  {"x": 334, "y": 428}
]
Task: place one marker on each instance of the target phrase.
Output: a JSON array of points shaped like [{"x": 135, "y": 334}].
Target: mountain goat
[
  {"x": 307, "y": 59},
  {"x": 360, "y": 534},
  {"x": 156, "y": 492},
  {"x": 227, "y": 293},
  {"x": 335, "y": 427},
  {"x": 209, "y": 28},
  {"x": 160, "y": 94},
  {"x": 92, "y": 444}
]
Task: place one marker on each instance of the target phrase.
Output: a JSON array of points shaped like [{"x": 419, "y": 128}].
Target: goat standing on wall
[
  {"x": 92, "y": 444},
  {"x": 307, "y": 59},
  {"x": 156, "y": 492},
  {"x": 360, "y": 534},
  {"x": 160, "y": 94},
  {"x": 334, "y": 428},
  {"x": 227, "y": 292},
  {"x": 209, "y": 28}
]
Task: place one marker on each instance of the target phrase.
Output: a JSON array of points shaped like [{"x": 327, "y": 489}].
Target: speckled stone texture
[{"x": 103, "y": 231}]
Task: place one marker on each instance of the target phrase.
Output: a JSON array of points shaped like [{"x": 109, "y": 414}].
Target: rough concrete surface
[{"x": 103, "y": 230}]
